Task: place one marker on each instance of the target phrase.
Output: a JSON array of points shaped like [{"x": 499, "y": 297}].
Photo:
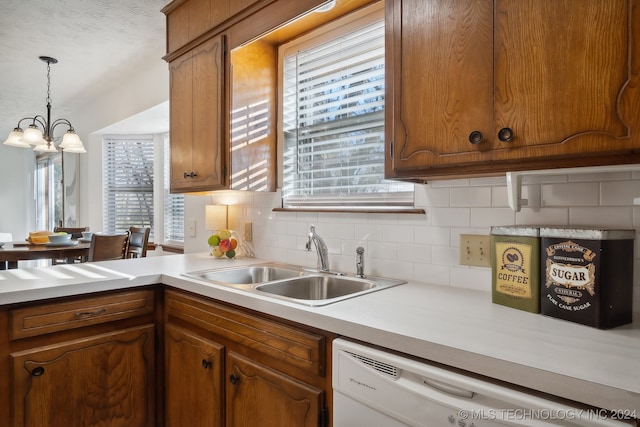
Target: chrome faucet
[
  {"x": 321, "y": 248},
  {"x": 360, "y": 262}
]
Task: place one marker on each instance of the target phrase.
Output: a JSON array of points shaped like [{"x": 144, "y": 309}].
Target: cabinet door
[
  {"x": 546, "y": 84},
  {"x": 180, "y": 119},
  {"x": 106, "y": 380},
  {"x": 562, "y": 77},
  {"x": 438, "y": 82},
  {"x": 197, "y": 118},
  {"x": 194, "y": 369},
  {"x": 258, "y": 395}
]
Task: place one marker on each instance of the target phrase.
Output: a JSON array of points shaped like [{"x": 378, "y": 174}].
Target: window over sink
[{"x": 333, "y": 87}]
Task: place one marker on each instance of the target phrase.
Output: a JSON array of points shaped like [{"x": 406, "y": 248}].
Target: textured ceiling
[{"x": 96, "y": 43}]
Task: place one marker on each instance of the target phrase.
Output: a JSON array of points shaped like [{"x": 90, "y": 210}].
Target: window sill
[{"x": 355, "y": 210}]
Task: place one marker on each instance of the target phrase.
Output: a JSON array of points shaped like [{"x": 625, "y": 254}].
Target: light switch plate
[
  {"x": 248, "y": 231},
  {"x": 475, "y": 250}
]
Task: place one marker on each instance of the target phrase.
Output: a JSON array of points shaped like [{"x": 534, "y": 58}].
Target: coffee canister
[
  {"x": 515, "y": 256},
  {"x": 587, "y": 275}
]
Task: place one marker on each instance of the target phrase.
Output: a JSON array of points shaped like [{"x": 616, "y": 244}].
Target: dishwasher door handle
[{"x": 448, "y": 388}]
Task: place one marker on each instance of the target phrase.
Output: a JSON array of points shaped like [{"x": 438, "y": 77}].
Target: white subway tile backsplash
[
  {"x": 619, "y": 193},
  {"x": 427, "y": 196},
  {"x": 437, "y": 236},
  {"x": 414, "y": 253},
  {"x": 443, "y": 255},
  {"x": 426, "y": 247},
  {"x": 486, "y": 217},
  {"x": 617, "y": 217},
  {"x": 538, "y": 216},
  {"x": 470, "y": 197},
  {"x": 450, "y": 217},
  {"x": 431, "y": 273},
  {"x": 398, "y": 233},
  {"x": 397, "y": 269},
  {"x": 368, "y": 232},
  {"x": 574, "y": 194}
]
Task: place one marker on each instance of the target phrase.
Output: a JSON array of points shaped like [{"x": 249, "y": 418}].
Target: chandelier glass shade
[{"x": 39, "y": 132}]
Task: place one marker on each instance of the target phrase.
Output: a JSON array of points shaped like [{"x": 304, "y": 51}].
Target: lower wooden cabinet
[
  {"x": 194, "y": 369},
  {"x": 102, "y": 380},
  {"x": 259, "y": 395},
  {"x": 156, "y": 357},
  {"x": 260, "y": 371}
]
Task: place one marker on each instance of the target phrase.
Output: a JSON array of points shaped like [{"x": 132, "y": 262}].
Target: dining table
[{"x": 12, "y": 252}]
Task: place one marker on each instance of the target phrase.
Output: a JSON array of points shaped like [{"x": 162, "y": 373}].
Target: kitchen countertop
[{"x": 452, "y": 326}]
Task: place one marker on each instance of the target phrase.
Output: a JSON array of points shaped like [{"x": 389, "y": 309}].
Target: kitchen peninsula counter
[{"x": 456, "y": 327}]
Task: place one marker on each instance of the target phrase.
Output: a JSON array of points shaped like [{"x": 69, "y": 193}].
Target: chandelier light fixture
[{"x": 40, "y": 132}]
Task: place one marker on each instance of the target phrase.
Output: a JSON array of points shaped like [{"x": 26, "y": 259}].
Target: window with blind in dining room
[
  {"x": 128, "y": 183},
  {"x": 333, "y": 118}
]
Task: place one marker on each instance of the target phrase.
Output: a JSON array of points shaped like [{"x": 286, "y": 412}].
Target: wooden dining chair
[
  {"x": 76, "y": 232},
  {"x": 138, "y": 239},
  {"x": 106, "y": 247}
]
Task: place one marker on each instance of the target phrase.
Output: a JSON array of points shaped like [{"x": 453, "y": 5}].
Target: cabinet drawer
[
  {"x": 61, "y": 316},
  {"x": 299, "y": 348}
]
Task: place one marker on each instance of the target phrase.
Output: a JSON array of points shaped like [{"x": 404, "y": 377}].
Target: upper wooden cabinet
[
  {"x": 189, "y": 19},
  {"x": 479, "y": 88},
  {"x": 223, "y": 91},
  {"x": 196, "y": 117}
]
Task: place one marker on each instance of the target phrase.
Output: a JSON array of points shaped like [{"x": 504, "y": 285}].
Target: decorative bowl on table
[{"x": 59, "y": 238}]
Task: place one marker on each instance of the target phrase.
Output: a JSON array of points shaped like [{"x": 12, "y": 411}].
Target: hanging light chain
[{"x": 48, "y": 82}]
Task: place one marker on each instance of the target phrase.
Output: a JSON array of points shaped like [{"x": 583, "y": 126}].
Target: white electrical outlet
[{"x": 192, "y": 228}]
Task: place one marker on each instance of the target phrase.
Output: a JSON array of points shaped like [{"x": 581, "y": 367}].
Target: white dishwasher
[{"x": 377, "y": 388}]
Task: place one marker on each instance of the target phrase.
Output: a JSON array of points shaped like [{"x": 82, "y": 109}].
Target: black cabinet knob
[
  {"x": 505, "y": 134},
  {"x": 190, "y": 175},
  {"x": 186, "y": 175},
  {"x": 37, "y": 371},
  {"x": 475, "y": 137},
  {"x": 206, "y": 364},
  {"x": 233, "y": 379}
]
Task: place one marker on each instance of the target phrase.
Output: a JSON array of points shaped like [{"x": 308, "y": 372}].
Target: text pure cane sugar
[{"x": 587, "y": 275}]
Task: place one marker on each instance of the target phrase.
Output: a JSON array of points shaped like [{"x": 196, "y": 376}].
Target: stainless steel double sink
[{"x": 294, "y": 283}]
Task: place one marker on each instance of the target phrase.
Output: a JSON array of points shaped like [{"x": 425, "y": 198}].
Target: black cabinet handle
[
  {"x": 190, "y": 175},
  {"x": 234, "y": 380},
  {"x": 206, "y": 364},
  {"x": 505, "y": 134},
  {"x": 475, "y": 137},
  {"x": 37, "y": 371},
  {"x": 186, "y": 175}
]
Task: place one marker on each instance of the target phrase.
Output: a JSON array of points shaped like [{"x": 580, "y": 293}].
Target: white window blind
[
  {"x": 333, "y": 114},
  {"x": 128, "y": 183},
  {"x": 173, "y": 204}
]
